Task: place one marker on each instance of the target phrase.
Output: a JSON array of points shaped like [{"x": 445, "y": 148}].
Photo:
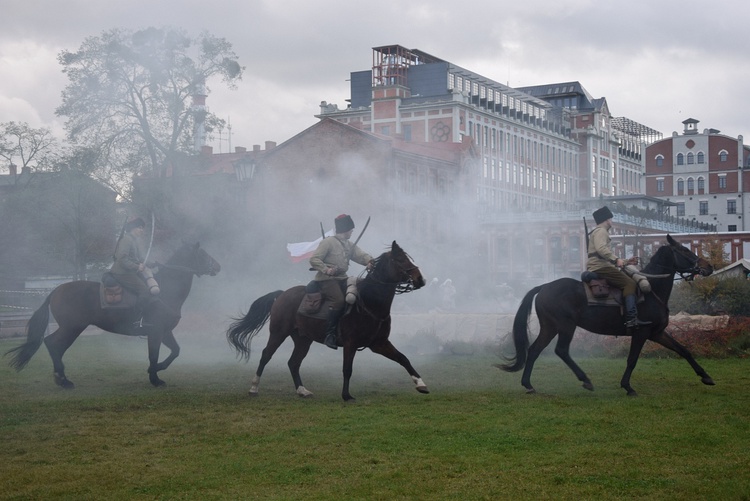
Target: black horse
[
  {"x": 368, "y": 325},
  {"x": 76, "y": 305},
  {"x": 562, "y": 305}
]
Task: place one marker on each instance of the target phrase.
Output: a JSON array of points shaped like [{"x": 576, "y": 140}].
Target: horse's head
[
  {"x": 193, "y": 258},
  {"x": 395, "y": 266},
  {"x": 686, "y": 263}
]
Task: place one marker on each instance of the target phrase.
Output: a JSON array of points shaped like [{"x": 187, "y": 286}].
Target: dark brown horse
[
  {"x": 76, "y": 305},
  {"x": 562, "y": 305},
  {"x": 368, "y": 325}
]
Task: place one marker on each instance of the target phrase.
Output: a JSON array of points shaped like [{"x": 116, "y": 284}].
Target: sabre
[
  {"x": 145, "y": 260},
  {"x": 362, "y": 233}
]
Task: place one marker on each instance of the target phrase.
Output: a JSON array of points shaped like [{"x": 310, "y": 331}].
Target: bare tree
[
  {"x": 130, "y": 97},
  {"x": 25, "y": 146}
]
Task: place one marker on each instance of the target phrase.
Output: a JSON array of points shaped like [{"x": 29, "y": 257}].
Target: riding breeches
[
  {"x": 333, "y": 291},
  {"x": 618, "y": 279}
]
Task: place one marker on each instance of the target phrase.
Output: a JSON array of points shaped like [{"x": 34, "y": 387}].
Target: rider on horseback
[
  {"x": 129, "y": 269},
  {"x": 604, "y": 263},
  {"x": 331, "y": 260}
]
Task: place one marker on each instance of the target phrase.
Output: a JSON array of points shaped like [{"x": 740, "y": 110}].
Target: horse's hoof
[
  {"x": 157, "y": 382},
  {"x": 632, "y": 393},
  {"x": 64, "y": 382},
  {"x": 304, "y": 392},
  {"x": 422, "y": 389},
  {"x": 529, "y": 391},
  {"x": 707, "y": 380},
  {"x": 588, "y": 386}
]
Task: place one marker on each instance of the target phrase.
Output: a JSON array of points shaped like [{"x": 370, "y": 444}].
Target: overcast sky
[{"x": 657, "y": 62}]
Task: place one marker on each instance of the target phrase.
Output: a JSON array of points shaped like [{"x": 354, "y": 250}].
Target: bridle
[
  {"x": 403, "y": 285},
  {"x": 689, "y": 273}
]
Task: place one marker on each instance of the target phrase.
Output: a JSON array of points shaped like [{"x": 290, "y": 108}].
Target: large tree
[{"x": 130, "y": 97}]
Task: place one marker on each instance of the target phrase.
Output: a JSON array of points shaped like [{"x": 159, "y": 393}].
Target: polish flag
[{"x": 302, "y": 251}]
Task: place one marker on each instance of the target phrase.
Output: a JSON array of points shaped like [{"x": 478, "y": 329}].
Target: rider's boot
[
  {"x": 631, "y": 313},
  {"x": 331, "y": 328}
]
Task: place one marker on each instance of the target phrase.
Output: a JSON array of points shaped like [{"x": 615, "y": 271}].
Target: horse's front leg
[
  {"x": 389, "y": 351},
  {"x": 154, "y": 343},
  {"x": 170, "y": 342},
  {"x": 349, "y": 352},
  {"x": 668, "y": 341}
]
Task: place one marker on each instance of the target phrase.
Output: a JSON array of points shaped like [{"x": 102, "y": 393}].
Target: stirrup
[{"x": 330, "y": 341}]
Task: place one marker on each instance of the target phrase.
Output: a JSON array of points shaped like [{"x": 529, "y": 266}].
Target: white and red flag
[{"x": 302, "y": 251}]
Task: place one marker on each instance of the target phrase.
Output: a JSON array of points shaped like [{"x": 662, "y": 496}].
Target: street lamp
[{"x": 244, "y": 168}]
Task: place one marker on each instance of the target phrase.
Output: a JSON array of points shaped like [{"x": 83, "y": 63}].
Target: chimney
[
  {"x": 256, "y": 147},
  {"x": 13, "y": 169},
  {"x": 207, "y": 150},
  {"x": 240, "y": 149},
  {"x": 270, "y": 145}
]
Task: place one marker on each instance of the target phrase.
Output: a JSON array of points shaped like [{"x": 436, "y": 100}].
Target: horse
[
  {"x": 76, "y": 305},
  {"x": 562, "y": 305},
  {"x": 367, "y": 325}
]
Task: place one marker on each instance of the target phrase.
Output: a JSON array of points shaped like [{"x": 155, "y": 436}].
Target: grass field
[{"x": 475, "y": 436}]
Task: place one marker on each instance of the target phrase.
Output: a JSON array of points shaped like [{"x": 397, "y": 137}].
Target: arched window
[
  {"x": 701, "y": 185},
  {"x": 691, "y": 186},
  {"x": 723, "y": 155},
  {"x": 701, "y": 158},
  {"x": 690, "y": 158},
  {"x": 680, "y": 186},
  {"x": 659, "y": 160},
  {"x": 680, "y": 159}
]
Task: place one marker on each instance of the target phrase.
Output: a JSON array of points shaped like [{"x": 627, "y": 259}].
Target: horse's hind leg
[
  {"x": 274, "y": 341},
  {"x": 389, "y": 351},
  {"x": 301, "y": 348},
  {"x": 547, "y": 332},
  {"x": 57, "y": 343},
  {"x": 668, "y": 341},
  {"x": 562, "y": 349}
]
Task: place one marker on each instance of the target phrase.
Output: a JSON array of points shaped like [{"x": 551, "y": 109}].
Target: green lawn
[{"x": 477, "y": 435}]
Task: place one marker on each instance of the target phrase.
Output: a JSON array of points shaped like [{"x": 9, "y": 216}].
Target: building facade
[{"x": 703, "y": 173}]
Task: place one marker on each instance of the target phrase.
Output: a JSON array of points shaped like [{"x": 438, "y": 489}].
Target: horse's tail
[
  {"x": 35, "y": 330},
  {"x": 242, "y": 331},
  {"x": 521, "y": 332}
]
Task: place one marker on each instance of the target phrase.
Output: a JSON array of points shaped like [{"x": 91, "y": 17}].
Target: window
[
  {"x": 731, "y": 206},
  {"x": 407, "y": 133},
  {"x": 723, "y": 182},
  {"x": 659, "y": 161},
  {"x": 732, "y": 227},
  {"x": 680, "y": 159},
  {"x": 700, "y": 157},
  {"x": 680, "y": 186},
  {"x": 660, "y": 184},
  {"x": 691, "y": 186},
  {"x": 723, "y": 155},
  {"x": 681, "y": 209},
  {"x": 690, "y": 158},
  {"x": 701, "y": 185},
  {"x": 703, "y": 208},
  {"x": 385, "y": 130}
]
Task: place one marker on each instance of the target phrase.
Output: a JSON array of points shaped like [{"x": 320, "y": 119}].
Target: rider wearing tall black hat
[
  {"x": 331, "y": 260},
  {"x": 607, "y": 265}
]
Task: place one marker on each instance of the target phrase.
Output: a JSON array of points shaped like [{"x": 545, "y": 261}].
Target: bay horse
[
  {"x": 367, "y": 325},
  {"x": 76, "y": 305},
  {"x": 562, "y": 305}
]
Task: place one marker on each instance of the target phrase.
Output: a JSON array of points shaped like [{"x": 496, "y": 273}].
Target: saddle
[
  {"x": 599, "y": 292},
  {"x": 114, "y": 295},
  {"x": 313, "y": 305}
]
